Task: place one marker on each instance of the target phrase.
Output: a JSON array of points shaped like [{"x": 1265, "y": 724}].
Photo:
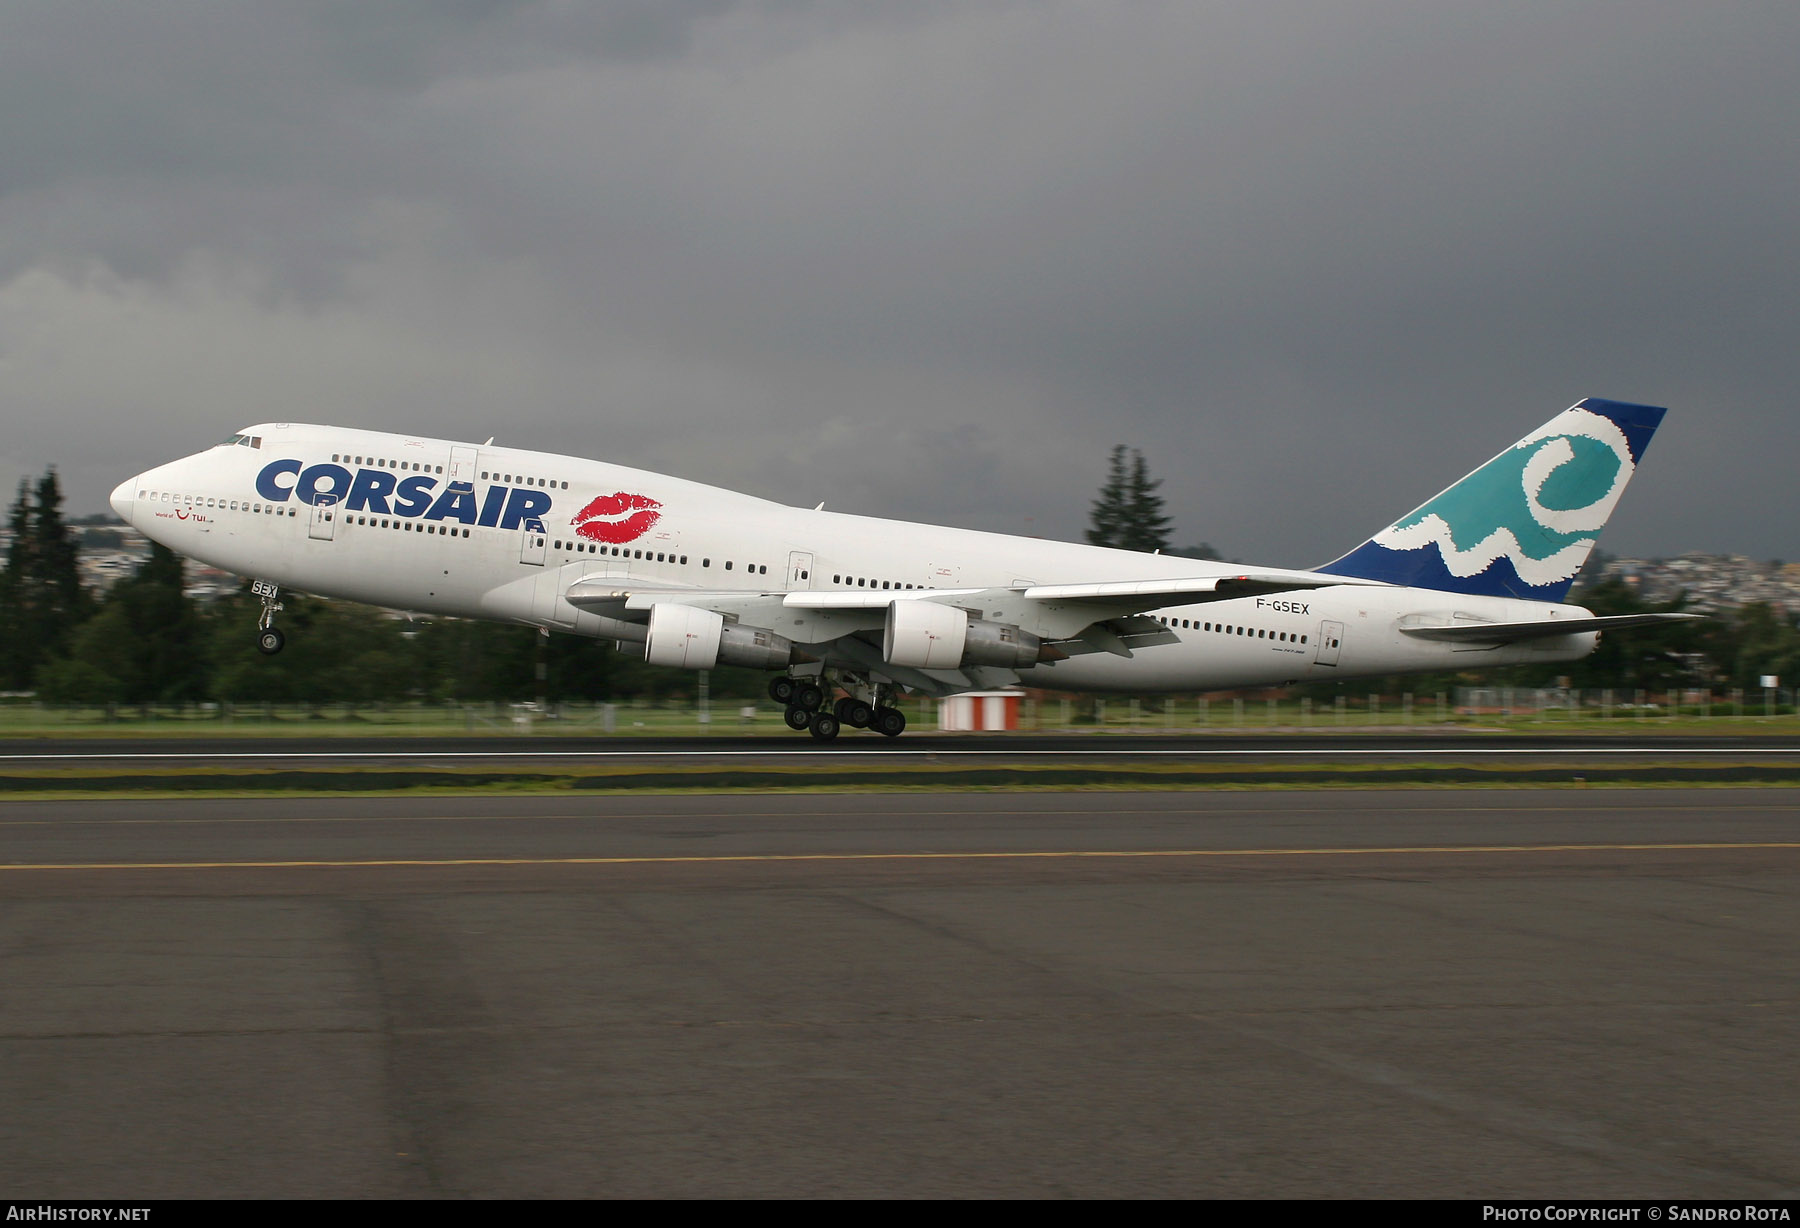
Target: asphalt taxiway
[{"x": 1498, "y": 993}]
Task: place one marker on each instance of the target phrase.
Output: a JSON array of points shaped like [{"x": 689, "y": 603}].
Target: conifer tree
[
  {"x": 1112, "y": 509},
  {"x": 16, "y": 656},
  {"x": 62, "y": 601},
  {"x": 1128, "y": 515},
  {"x": 41, "y": 597},
  {"x": 1146, "y": 528}
]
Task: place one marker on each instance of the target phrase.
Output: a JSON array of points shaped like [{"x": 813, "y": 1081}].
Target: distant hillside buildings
[
  {"x": 110, "y": 551},
  {"x": 1712, "y": 582}
]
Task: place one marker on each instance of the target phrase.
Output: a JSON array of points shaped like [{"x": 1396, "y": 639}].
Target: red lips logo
[{"x": 627, "y": 518}]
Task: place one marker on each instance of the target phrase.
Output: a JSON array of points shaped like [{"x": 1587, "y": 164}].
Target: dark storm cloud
[{"x": 927, "y": 261}]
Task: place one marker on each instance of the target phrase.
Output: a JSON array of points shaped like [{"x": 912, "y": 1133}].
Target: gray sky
[{"x": 926, "y": 260}]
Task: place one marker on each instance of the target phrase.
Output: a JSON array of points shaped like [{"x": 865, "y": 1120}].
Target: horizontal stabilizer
[{"x": 1502, "y": 633}]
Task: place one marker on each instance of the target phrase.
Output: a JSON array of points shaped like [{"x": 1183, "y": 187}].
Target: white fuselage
[{"x": 453, "y": 529}]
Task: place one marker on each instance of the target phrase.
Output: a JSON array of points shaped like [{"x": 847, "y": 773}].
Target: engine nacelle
[
  {"x": 929, "y": 635},
  {"x": 1000, "y": 644},
  {"x": 755, "y": 647},
  {"x": 924, "y": 635},
  {"x": 683, "y": 636},
  {"x": 690, "y": 638}
]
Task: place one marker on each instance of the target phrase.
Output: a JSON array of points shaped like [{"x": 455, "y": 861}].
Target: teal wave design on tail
[{"x": 1523, "y": 523}]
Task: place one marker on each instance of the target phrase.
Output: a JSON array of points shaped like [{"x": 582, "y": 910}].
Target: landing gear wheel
[
  {"x": 889, "y": 721},
  {"x": 853, "y": 712},
  {"x": 781, "y": 690},
  {"x": 808, "y": 696},
  {"x": 796, "y": 718},
  {"x": 269, "y": 641},
  {"x": 824, "y": 726}
]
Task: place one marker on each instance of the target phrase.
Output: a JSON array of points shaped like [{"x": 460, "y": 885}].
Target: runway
[
  {"x": 1506, "y": 994},
  {"x": 326, "y": 751}
]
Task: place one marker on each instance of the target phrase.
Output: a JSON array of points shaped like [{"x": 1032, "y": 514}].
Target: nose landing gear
[{"x": 269, "y": 639}]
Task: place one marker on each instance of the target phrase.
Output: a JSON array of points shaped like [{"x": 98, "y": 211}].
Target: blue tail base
[{"x": 1425, "y": 569}]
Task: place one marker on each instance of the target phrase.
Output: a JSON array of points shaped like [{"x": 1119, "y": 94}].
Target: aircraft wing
[
  {"x": 1084, "y": 603},
  {"x": 1504, "y": 633},
  {"x": 1155, "y": 594},
  {"x": 1125, "y": 596},
  {"x": 1071, "y": 619},
  {"x": 613, "y": 595}
]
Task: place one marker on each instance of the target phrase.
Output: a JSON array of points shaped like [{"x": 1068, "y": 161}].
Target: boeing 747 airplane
[{"x": 860, "y": 607}]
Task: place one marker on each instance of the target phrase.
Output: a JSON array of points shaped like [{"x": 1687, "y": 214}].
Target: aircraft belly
[{"x": 1186, "y": 666}]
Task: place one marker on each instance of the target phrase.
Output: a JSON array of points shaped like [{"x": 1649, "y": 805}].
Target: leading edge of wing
[
  {"x": 1189, "y": 590},
  {"x": 1116, "y": 594},
  {"x": 1196, "y": 590}
]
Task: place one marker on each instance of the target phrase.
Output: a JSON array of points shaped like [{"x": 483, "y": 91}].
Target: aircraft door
[
  {"x": 799, "y": 574},
  {"x": 1331, "y": 638},
  {"x": 532, "y": 541},
  {"x": 462, "y": 464},
  {"x": 322, "y": 525}
]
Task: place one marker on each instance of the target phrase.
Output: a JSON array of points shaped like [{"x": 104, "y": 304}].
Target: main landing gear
[
  {"x": 269, "y": 639},
  {"x": 804, "y": 708}
]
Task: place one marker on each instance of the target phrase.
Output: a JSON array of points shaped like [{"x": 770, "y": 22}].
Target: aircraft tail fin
[{"x": 1522, "y": 524}]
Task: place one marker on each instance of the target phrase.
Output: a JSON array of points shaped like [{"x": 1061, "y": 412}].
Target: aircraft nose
[{"x": 123, "y": 496}]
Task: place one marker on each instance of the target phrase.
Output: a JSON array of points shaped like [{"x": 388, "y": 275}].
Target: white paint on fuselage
[{"x": 188, "y": 505}]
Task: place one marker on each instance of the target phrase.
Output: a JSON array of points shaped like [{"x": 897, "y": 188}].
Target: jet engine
[
  {"x": 930, "y": 635},
  {"x": 690, "y": 638}
]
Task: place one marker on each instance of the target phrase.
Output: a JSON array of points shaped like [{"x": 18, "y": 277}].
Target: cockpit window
[
  {"x": 240, "y": 441},
  {"x": 229, "y": 441}
]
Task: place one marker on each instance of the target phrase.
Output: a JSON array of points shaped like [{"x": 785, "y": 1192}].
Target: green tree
[
  {"x": 1148, "y": 527},
  {"x": 103, "y": 664},
  {"x": 166, "y": 630},
  {"x": 17, "y": 657},
  {"x": 1654, "y": 658},
  {"x": 1112, "y": 509},
  {"x": 1759, "y": 640},
  {"x": 42, "y": 600},
  {"x": 144, "y": 645},
  {"x": 1128, "y": 515}
]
